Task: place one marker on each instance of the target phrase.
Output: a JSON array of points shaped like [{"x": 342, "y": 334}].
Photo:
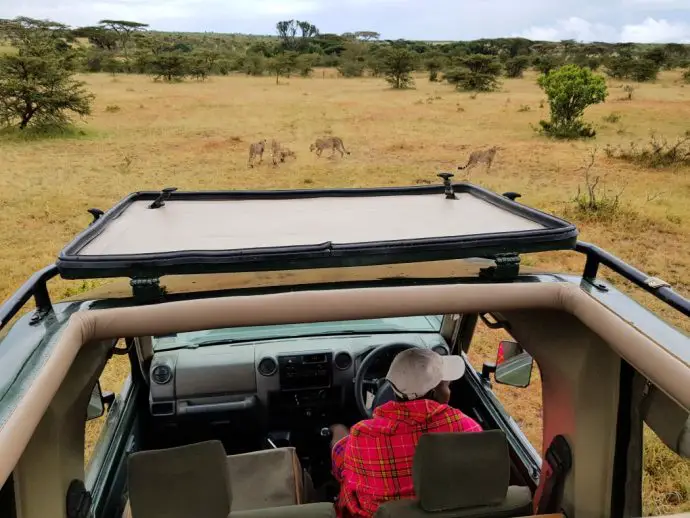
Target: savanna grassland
[{"x": 195, "y": 135}]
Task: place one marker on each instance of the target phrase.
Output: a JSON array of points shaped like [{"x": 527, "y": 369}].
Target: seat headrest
[
  {"x": 459, "y": 470},
  {"x": 180, "y": 482}
]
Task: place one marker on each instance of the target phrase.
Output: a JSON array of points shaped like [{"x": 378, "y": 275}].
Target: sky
[{"x": 646, "y": 21}]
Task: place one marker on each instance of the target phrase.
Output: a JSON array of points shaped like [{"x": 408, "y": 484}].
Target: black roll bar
[
  {"x": 660, "y": 289},
  {"x": 34, "y": 287}
]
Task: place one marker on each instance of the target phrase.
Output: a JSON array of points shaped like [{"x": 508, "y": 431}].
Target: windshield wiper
[{"x": 347, "y": 332}]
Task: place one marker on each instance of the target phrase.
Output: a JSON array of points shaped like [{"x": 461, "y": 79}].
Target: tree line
[
  {"x": 37, "y": 82},
  {"x": 121, "y": 46}
]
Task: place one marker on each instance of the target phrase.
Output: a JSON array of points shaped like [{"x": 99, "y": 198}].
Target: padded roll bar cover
[{"x": 460, "y": 470}]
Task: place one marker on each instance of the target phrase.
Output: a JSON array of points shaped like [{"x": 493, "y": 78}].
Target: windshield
[{"x": 421, "y": 324}]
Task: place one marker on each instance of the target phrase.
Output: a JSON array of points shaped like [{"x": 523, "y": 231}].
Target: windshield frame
[{"x": 248, "y": 334}]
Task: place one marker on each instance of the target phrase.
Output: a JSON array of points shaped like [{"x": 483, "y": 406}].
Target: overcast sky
[{"x": 582, "y": 20}]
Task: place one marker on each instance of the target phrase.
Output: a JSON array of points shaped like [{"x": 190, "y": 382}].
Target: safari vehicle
[{"x": 253, "y": 320}]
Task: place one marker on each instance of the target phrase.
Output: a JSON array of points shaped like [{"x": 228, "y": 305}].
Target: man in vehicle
[{"x": 373, "y": 462}]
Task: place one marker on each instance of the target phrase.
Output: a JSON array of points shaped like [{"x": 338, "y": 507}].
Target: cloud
[
  {"x": 585, "y": 20},
  {"x": 656, "y": 31},
  {"x": 648, "y": 31},
  {"x": 572, "y": 29}
]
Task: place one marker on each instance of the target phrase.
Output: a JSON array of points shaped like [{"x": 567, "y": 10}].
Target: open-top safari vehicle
[{"x": 253, "y": 320}]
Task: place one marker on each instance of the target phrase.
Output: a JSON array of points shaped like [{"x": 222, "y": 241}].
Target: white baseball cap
[{"x": 414, "y": 372}]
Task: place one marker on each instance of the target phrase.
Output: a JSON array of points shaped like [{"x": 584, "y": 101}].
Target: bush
[
  {"x": 627, "y": 67},
  {"x": 686, "y": 76},
  {"x": 644, "y": 70},
  {"x": 658, "y": 152},
  {"x": 305, "y": 64},
  {"x": 434, "y": 65},
  {"x": 591, "y": 202},
  {"x": 398, "y": 63},
  {"x": 169, "y": 66},
  {"x": 516, "y": 66},
  {"x": 546, "y": 63},
  {"x": 477, "y": 72},
  {"x": 570, "y": 90},
  {"x": 612, "y": 118}
]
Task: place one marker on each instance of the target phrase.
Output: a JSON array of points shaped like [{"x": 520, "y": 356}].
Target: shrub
[
  {"x": 169, "y": 66},
  {"x": 476, "y": 72},
  {"x": 592, "y": 202},
  {"x": 658, "y": 152},
  {"x": 612, "y": 117},
  {"x": 627, "y": 67},
  {"x": 570, "y": 90},
  {"x": 686, "y": 76},
  {"x": 516, "y": 66},
  {"x": 546, "y": 63},
  {"x": 434, "y": 65},
  {"x": 112, "y": 108},
  {"x": 644, "y": 70},
  {"x": 398, "y": 63},
  {"x": 525, "y": 108}
]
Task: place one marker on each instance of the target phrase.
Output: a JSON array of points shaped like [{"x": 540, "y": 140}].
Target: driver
[{"x": 373, "y": 462}]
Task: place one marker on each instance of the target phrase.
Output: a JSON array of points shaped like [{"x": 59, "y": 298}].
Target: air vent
[
  {"x": 343, "y": 361},
  {"x": 440, "y": 350},
  {"x": 161, "y": 374},
  {"x": 268, "y": 367}
]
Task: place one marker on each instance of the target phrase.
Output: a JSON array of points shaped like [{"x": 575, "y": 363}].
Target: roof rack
[{"x": 151, "y": 234}]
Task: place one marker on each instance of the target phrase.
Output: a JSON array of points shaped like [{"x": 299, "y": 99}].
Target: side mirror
[
  {"x": 513, "y": 365},
  {"x": 98, "y": 402},
  {"x": 96, "y": 406}
]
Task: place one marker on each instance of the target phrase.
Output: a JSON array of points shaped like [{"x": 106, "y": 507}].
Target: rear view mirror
[
  {"x": 513, "y": 365},
  {"x": 96, "y": 406}
]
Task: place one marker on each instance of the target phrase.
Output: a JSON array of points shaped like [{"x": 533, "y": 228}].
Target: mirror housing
[
  {"x": 96, "y": 407},
  {"x": 513, "y": 365},
  {"x": 98, "y": 402}
]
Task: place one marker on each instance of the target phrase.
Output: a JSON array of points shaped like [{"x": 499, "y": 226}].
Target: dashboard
[{"x": 288, "y": 377}]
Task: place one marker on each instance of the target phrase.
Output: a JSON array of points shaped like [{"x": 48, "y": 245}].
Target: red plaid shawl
[{"x": 374, "y": 463}]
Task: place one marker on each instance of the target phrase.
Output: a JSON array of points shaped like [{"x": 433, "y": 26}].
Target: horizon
[{"x": 585, "y": 21}]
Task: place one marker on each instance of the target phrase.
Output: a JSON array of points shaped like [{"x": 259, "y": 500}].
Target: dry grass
[{"x": 195, "y": 136}]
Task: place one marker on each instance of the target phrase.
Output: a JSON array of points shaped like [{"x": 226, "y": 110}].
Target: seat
[
  {"x": 197, "y": 480},
  {"x": 461, "y": 475}
]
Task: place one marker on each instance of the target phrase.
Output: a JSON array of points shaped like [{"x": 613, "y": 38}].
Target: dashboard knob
[{"x": 326, "y": 433}]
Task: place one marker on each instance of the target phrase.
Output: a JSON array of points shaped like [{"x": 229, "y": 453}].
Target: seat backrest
[
  {"x": 461, "y": 475},
  {"x": 190, "y": 480},
  {"x": 266, "y": 478},
  {"x": 459, "y": 470}
]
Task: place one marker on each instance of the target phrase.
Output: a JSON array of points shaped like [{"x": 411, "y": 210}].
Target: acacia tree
[
  {"x": 398, "y": 64},
  {"x": 99, "y": 37},
  {"x": 287, "y": 32},
  {"x": 124, "y": 30},
  {"x": 283, "y": 64},
  {"x": 476, "y": 72},
  {"x": 434, "y": 64},
  {"x": 36, "y": 84},
  {"x": 570, "y": 90}
]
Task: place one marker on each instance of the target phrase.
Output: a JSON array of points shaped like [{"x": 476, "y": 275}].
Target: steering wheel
[{"x": 382, "y": 387}]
